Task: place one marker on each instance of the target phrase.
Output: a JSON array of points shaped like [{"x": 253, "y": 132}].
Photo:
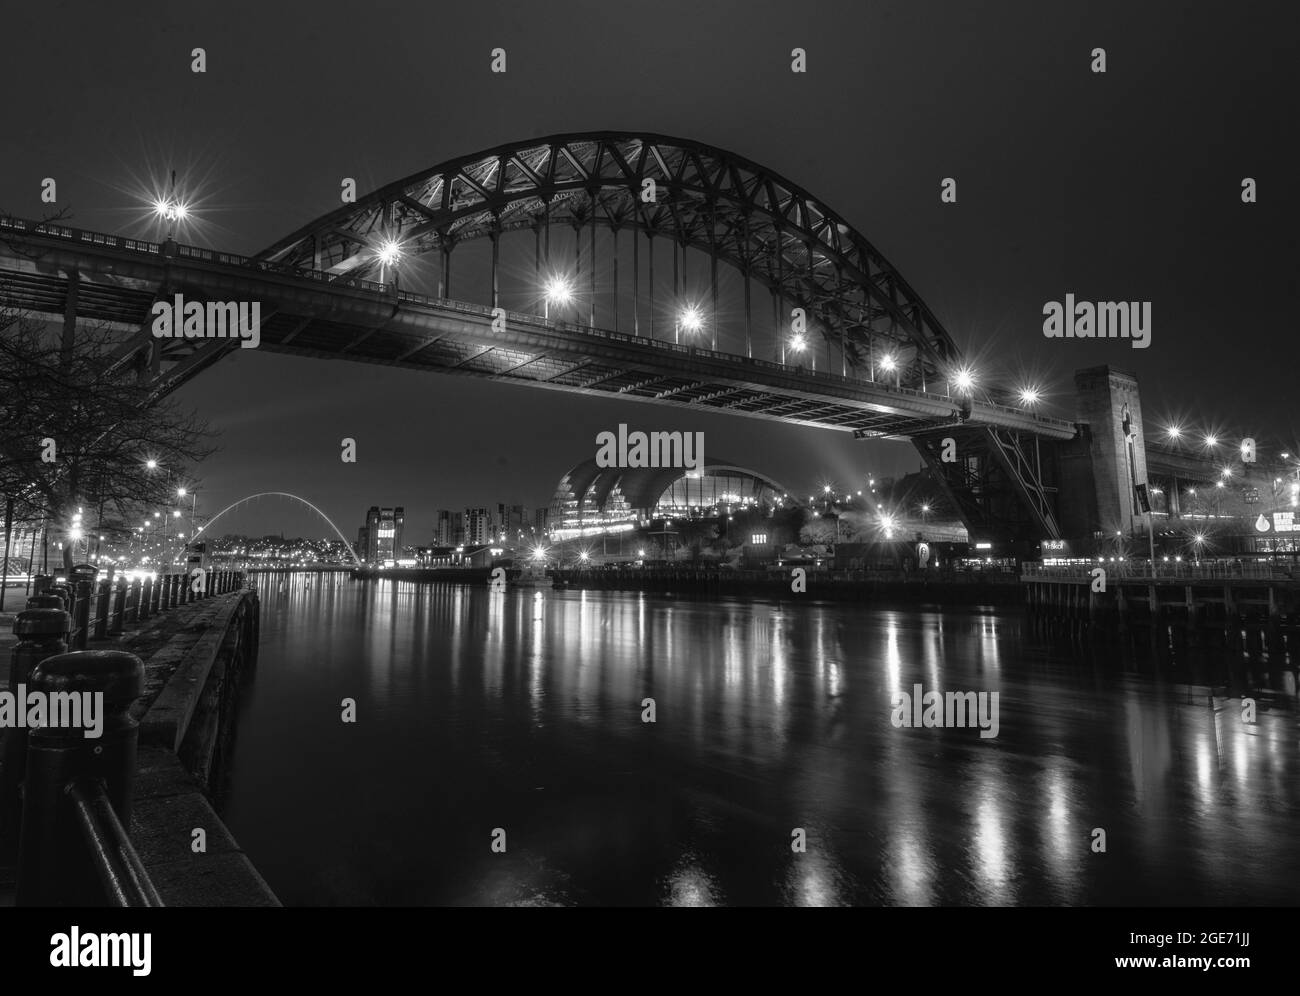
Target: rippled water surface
[{"x": 523, "y": 711}]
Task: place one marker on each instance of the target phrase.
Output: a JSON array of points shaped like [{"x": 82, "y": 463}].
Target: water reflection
[{"x": 522, "y": 710}]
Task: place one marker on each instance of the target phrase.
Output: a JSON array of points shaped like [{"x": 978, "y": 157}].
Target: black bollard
[
  {"x": 103, "y": 597},
  {"x": 146, "y": 598},
  {"x": 67, "y": 771},
  {"x": 133, "y": 602},
  {"x": 41, "y": 633},
  {"x": 117, "y": 618}
]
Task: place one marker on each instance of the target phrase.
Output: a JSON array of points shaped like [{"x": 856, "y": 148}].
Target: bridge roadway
[{"x": 54, "y": 270}]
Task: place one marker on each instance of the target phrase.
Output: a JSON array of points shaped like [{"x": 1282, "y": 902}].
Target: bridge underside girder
[{"x": 995, "y": 481}]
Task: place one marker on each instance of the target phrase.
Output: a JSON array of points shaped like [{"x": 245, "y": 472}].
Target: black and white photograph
[{"x": 624, "y": 456}]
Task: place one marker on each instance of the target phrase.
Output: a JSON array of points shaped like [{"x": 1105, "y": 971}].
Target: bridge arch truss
[{"x": 737, "y": 212}]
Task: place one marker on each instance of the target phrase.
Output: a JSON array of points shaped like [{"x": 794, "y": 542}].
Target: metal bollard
[
  {"x": 81, "y": 616},
  {"x": 82, "y": 582},
  {"x": 55, "y": 865},
  {"x": 42, "y": 633},
  {"x": 103, "y": 598},
  {"x": 119, "y": 607},
  {"x": 146, "y": 597},
  {"x": 133, "y": 602},
  {"x": 155, "y": 595}
]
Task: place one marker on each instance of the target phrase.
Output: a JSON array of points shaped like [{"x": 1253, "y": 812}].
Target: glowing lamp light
[
  {"x": 692, "y": 320},
  {"x": 965, "y": 379},
  {"x": 171, "y": 210},
  {"x": 583, "y": 555},
  {"x": 558, "y": 290},
  {"x": 389, "y": 252},
  {"x": 1173, "y": 432},
  {"x": 1029, "y": 396},
  {"x": 888, "y": 363},
  {"x": 798, "y": 343},
  {"x": 151, "y": 464},
  {"x": 1211, "y": 440}
]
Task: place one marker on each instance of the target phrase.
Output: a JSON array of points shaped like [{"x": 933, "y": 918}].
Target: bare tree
[{"x": 76, "y": 432}]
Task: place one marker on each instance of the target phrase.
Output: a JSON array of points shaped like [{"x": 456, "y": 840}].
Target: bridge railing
[{"x": 1141, "y": 570}]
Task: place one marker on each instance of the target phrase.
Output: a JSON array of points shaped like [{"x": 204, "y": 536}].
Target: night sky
[{"x": 1122, "y": 186}]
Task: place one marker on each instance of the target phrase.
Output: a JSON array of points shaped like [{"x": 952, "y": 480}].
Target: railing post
[
  {"x": 146, "y": 597},
  {"x": 118, "y": 621},
  {"x": 82, "y": 582},
  {"x": 133, "y": 602},
  {"x": 54, "y": 861},
  {"x": 155, "y": 594},
  {"x": 41, "y": 633},
  {"x": 103, "y": 593}
]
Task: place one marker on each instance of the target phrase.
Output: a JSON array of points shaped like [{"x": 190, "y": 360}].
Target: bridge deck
[{"x": 311, "y": 312}]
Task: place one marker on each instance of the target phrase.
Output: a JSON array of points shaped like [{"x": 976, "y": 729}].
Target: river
[{"x": 522, "y": 712}]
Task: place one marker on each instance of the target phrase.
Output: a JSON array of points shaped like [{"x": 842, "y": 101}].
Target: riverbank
[{"x": 194, "y": 656}]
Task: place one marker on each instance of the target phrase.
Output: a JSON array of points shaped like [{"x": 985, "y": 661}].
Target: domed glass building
[{"x": 591, "y": 500}]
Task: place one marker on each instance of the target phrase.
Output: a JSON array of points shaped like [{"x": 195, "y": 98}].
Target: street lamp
[
  {"x": 558, "y": 291},
  {"x": 690, "y": 320},
  {"x": 194, "y": 497},
  {"x": 887, "y": 364},
  {"x": 389, "y": 254}
]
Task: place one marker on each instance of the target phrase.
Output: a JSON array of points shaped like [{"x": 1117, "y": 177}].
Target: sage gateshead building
[{"x": 592, "y": 500}]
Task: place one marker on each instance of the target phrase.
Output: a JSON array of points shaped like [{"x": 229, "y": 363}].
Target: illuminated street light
[
  {"x": 558, "y": 291},
  {"x": 1211, "y": 440},
  {"x": 964, "y": 379},
  {"x": 691, "y": 319},
  {"x": 151, "y": 464},
  {"x": 1029, "y": 396},
  {"x": 798, "y": 343},
  {"x": 389, "y": 255},
  {"x": 1173, "y": 432}
]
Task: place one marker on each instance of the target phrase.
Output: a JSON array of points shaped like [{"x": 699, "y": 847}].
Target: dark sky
[{"x": 1122, "y": 186}]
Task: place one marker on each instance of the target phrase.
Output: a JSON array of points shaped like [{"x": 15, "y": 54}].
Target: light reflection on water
[{"x": 522, "y": 710}]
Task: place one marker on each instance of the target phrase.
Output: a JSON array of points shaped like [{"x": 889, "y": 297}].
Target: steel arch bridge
[
  {"x": 319, "y": 298},
  {"x": 695, "y": 196}
]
